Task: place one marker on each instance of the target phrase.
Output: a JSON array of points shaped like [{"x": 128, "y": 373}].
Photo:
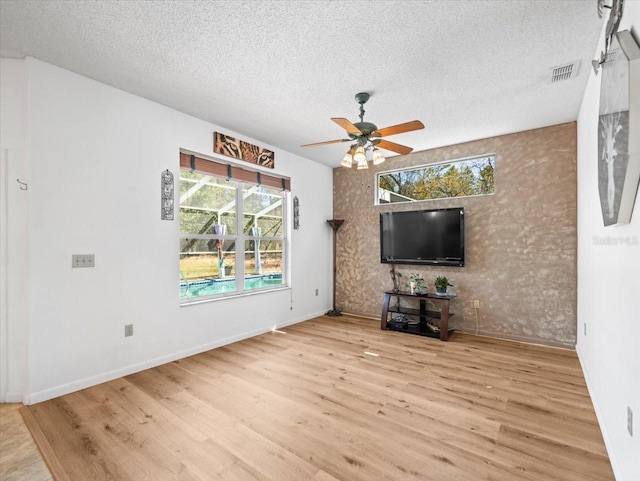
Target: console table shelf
[
  {"x": 416, "y": 312},
  {"x": 419, "y": 329},
  {"x": 419, "y": 317}
]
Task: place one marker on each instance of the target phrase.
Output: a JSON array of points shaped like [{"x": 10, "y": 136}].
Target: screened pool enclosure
[{"x": 232, "y": 235}]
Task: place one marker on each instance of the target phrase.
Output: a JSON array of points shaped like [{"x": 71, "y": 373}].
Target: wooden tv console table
[{"x": 422, "y": 315}]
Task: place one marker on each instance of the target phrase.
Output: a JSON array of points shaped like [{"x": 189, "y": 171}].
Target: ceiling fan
[{"x": 367, "y": 136}]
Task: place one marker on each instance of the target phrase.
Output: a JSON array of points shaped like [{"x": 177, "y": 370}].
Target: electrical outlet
[
  {"x": 630, "y": 421},
  {"x": 316, "y": 292},
  {"x": 83, "y": 260},
  {"x": 476, "y": 304},
  {"x": 128, "y": 330}
]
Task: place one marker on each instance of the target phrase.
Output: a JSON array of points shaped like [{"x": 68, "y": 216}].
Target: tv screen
[{"x": 431, "y": 237}]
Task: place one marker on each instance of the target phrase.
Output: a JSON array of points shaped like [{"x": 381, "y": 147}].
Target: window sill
[{"x": 224, "y": 297}]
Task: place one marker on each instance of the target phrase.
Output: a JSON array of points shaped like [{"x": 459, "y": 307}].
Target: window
[
  {"x": 232, "y": 230},
  {"x": 458, "y": 178}
]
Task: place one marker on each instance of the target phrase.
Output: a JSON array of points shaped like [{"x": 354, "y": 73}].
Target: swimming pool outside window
[{"x": 232, "y": 236}]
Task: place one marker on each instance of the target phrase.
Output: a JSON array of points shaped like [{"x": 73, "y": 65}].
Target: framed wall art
[
  {"x": 619, "y": 130},
  {"x": 241, "y": 150}
]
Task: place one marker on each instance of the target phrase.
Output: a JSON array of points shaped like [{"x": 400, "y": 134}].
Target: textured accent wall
[{"x": 520, "y": 241}]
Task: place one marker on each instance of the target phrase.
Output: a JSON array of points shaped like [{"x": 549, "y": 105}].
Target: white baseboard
[
  {"x": 524, "y": 339},
  {"x": 63, "y": 389},
  {"x": 599, "y": 417},
  {"x": 13, "y": 397},
  {"x": 297, "y": 320}
]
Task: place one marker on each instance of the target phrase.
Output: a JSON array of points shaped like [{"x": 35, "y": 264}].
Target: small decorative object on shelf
[
  {"x": 166, "y": 195},
  {"x": 395, "y": 277},
  {"x": 416, "y": 284},
  {"x": 441, "y": 284},
  {"x": 335, "y": 225}
]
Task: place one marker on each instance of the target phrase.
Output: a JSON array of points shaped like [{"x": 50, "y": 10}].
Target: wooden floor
[
  {"x": 19, "y": 457},
  {"x": 311, "y": 404}
]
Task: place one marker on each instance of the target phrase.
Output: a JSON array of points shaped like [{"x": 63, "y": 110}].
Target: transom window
[
  {"x": 458, "y": 178},
  {"x": 232, "y": 233}
]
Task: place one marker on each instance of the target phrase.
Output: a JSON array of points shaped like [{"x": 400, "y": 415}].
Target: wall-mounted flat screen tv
[{"x": 430, "y": 237}]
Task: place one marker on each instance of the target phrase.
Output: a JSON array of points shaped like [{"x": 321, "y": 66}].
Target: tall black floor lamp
[{"x": 335, "y": 225}]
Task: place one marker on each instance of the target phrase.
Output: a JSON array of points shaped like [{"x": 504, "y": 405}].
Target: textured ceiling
[{"x": 278, "y": 71}]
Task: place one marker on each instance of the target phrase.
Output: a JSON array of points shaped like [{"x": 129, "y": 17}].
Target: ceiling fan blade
[
  {"x": 399, "y": 129},
  {"x": 347, "y": 125},
  {"x": 387, "y": 145},
  {"x": 337, "y": 141}
]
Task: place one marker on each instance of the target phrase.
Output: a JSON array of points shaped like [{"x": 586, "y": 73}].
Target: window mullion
[{"x": 240, "y": 256}]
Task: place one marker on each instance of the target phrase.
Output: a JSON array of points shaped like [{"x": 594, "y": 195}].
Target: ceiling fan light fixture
[
  {"x": 360, "y": 154},
  {"x": 378, "y": 158},
  {"x": 347, "y": 160},
  {"x": 366, "y": 137}
]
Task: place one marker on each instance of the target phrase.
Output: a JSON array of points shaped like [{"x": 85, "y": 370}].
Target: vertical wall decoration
[
  {"x": 239, "y": 149},
  {"x": 296, "y": 213},
  {"x": 618, "y": 127},
  {"x": 166, "y": 195}
]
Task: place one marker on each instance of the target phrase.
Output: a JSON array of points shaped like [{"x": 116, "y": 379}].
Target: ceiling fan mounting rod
[{"x": 362, "y": 98}]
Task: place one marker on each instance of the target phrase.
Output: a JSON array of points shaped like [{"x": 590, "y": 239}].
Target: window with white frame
[
  {"x": 442, "y": 180},
  {"x": 232, "y": 230}
]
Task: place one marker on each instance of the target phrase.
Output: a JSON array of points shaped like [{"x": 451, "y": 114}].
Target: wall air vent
[{"x": 564, "y": 72}]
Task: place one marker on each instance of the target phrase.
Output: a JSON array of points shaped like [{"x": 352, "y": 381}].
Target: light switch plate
[{"x": 83, "y": 260}]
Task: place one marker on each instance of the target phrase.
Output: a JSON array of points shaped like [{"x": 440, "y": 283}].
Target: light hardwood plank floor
[
  {"x": 311, "y": 404},
  {"x": 19, "y": 457}
]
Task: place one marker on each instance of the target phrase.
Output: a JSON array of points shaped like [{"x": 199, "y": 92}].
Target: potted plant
[
  {"x": 441, "y": 284},
  {"x": 416, "y": 283}
]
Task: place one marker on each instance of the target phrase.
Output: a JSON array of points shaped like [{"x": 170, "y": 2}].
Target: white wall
[
  {"x": 95, "y": 157},
  {"x": 14, "y": 223},
  {"x": 609, "y": 292}
]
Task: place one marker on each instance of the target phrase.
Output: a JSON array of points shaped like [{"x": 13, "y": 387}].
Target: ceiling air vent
[{"x": 564, "y": 72}]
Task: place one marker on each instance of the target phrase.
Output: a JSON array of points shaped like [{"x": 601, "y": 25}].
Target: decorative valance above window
[{"x": 232, "y": 172}]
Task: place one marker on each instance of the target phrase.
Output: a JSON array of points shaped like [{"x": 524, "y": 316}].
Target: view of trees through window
[
  {"x": 231, "y": 235},
  {"x": 438, "y": 181}
]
